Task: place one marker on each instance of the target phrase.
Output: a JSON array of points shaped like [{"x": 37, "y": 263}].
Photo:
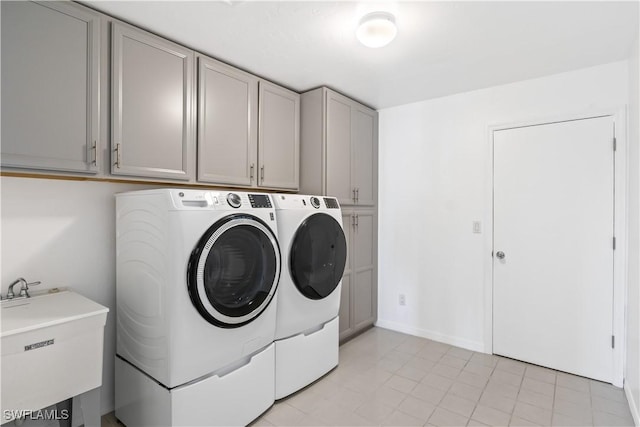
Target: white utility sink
[{"x": 51, "y": 350}]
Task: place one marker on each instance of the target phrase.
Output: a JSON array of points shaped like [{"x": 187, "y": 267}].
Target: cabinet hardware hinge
[
  {"x": 615, "y": 144},
  {"x": 614, "y": 243},
  {"x": 613, "y": 341}
]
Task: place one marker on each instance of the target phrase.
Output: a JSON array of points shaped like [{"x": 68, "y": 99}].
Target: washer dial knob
[
  {"x": 234, "y": 200},
  {"x": 315, "y": 202}
]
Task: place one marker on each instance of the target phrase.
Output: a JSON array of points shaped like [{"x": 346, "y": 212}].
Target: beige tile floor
[
  {"x": 386, "y": 378},
  {"x": 392, "y": 379}
]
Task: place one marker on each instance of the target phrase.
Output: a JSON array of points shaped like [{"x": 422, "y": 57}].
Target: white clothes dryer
[
  {"x": 314, "y": 257},
  {"x": 196, "y": 279}
]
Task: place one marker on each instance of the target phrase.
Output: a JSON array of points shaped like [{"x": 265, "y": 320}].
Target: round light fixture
[{"x": 377, "y": 29}]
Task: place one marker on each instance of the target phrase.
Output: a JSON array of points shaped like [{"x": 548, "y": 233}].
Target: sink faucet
[
  {"x": 24, "y": 288},
  {"x": 23, "y": 285}
]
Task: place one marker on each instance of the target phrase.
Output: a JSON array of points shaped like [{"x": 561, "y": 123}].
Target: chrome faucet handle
[
  {"x": 24, "y": 291},
  {"x": 10, "y": 294}
]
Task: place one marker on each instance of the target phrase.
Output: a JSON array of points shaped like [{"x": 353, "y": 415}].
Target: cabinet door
[
  {"x": 363, "y": 143},
  {"x": 345, "y": 325},
  {"x": 363, "y": 282},
  {"x": 345, "y": 321},
  {"x": 50, "y": 70},
  {"x": 279, "y": 137},
  {"x": 152, "y": 85},
  {"x": 227, "y": 118},
  {"x": 338, "y": 134}
]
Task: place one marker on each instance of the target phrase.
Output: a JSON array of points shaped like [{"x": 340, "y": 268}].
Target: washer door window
[
  {"x": 234, "y": 270},
  {"x": 318, "y": 256}
]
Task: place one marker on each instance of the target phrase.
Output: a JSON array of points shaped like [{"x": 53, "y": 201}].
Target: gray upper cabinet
[
  {"x": 168, "y": 121},
  {"x": 50, "y": 85},
  {"x": 339, "y": 148},
  {"x": 363, "y": 152},
  {"x": 338, "y": 151},
  {"x": 278, "y": 137},
  {"x": 248, "y": 129},
  {"x": 152, "y": 86},
  {"x": 227, "y": 135}
]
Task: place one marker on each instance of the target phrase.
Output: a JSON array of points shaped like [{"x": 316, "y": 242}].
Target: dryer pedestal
[
  {"x": 303, "y": 358},
  {"x": 233, "y": 398}
]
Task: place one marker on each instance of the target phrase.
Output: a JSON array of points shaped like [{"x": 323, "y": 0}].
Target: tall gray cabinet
[
  {"x": 339, "y": 145},
  {"x": 50, "y": 86},
  {"x": 350, "y": 132}
]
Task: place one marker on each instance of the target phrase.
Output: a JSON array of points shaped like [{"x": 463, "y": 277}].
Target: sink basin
[{"x": 51, "y": 349}]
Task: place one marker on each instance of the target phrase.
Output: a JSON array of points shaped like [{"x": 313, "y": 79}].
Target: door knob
[{"x": 500, "y": 255}]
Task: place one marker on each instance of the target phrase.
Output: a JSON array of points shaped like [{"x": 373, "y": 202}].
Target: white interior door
[{"x": 553, "y": 221}]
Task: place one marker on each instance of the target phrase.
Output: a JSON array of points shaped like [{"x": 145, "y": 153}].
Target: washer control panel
[
  {"x": 260, "y": 201},
  {"x": 234, "y": 200}
]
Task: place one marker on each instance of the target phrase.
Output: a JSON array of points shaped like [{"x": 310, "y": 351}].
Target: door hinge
[
  {"x": 615, "y": 144},
  {"x": 614, "y": 243},
  {"x": 613, "y": 341}
]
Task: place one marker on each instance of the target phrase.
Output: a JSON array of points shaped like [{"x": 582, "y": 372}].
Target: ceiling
[{"x": 442, "y": 47}]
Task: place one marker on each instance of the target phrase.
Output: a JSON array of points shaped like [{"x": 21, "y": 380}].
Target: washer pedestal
[
  {"x": 303, "y": 358},
  {"x": 231, "y": 397}
]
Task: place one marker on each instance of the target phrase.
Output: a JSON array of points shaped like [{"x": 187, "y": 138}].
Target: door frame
[{"x": 619, "y": 116}]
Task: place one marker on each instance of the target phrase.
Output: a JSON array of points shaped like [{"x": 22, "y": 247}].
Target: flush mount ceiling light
[{"x": 377, "y": 29}]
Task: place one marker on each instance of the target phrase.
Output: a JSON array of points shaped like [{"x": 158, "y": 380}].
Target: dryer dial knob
[
  {"x": 234, "y": 200},
  {"x": 315, "y": 202}
]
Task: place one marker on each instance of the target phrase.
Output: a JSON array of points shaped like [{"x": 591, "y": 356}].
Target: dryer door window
[
  {"x": 234, "y": 270},
  {"x": 318, "y": 256}
]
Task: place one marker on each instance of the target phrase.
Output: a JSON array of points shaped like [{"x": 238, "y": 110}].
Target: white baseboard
[
  {"x": 632, "y": 405},
  {"x": 435, "y": 336}
]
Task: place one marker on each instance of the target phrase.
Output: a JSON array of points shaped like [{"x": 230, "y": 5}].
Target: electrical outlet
[
  {"x": 477, "y": 227},
  {"x": 402, "y": 300}
]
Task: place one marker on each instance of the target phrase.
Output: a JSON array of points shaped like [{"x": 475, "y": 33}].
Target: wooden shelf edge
[{"x": 194, "y": 185}]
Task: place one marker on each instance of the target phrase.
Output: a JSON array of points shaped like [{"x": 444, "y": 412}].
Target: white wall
[
  {"x": 63, "y": 233},
  {"x": 434, "y": 158},
  {"x": 632, "y": 377}
]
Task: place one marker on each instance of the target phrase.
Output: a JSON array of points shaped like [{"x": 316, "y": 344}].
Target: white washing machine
[
  {"x": 196, "y": 279},
  {"x": 314, "y": 253}
]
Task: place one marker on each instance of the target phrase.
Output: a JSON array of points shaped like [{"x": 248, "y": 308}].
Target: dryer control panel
[
  {"x": 331, "y": 203},
  {"x": 305, "y": 202}
]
